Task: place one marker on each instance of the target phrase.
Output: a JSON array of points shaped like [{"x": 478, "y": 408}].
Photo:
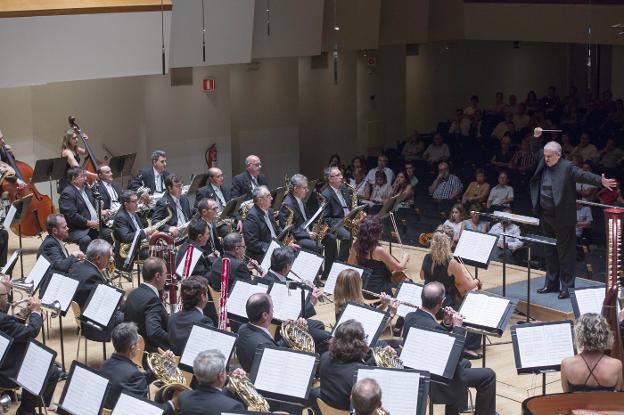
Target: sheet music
[
  {"x": 202, "y": 339},
  {"x": 475, "y": 246},
  {"x": 237, "y": 300},
  {"x": 132, "y": 250},
  {"x": 285, "y": 372},
  {"x": 266, "y": 261},
  {"x": 38, "y": 271},
  {"x": 399, "y": 389},
  {"x": 85, "y": 392},
  {"x": 427, "y": 350},
  {"x": 60, "y": 288},
  {"x": 127, "y": 404},
  {"x": 409, "y": 293},
  {"x": 483, "y": 310},
  {"x": 4, "y": 344},
  {"x": 9, "y": 217},
  {"x": 11, "y": 261},
  {"x": 544, "y": 345},
  {"x": 313, "y": 218},
  {"x": 370, "y": 318},
  {"x": 306, "y": 266},
  {"x": 197, "y": 253},
  {"x": 286, "y": 302},
  {"x": 102, "y": 304},
  {"x": 336, "y": 268},
  {"x": 528, "y": 220},
  {"x": 590, "y": 300},
  {"x": 34, "y": 370}
]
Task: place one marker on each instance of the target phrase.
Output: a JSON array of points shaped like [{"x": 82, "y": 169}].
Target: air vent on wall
[
  {"x": 319, "y": 61},
  {"x": 181, "y": 76}
]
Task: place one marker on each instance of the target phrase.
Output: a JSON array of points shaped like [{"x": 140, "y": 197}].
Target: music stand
[
  {"x": 278, "y": 195},
  {"x": 475, "y": 248},
  {"x": 349, "y": 215},
  {"x": 122, "y": 165},
  {"x": 49, "y": 170},
  {"x": 198, "y": 181},
  {"x": 389, "y": 205},
  {"x": 232, "y": 207},
  {"x": 21, "y": 205}
]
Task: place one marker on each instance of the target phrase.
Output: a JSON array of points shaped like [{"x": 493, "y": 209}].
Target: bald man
[
  {"x": 248, "y": 180},
  {"x": 214, "y": 189}
]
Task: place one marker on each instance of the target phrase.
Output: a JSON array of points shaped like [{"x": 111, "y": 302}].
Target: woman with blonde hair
[
  {"x": 71, "y": 152},
  {"x": 592, "y": 369},
  {"x": 348, "y": 289}
]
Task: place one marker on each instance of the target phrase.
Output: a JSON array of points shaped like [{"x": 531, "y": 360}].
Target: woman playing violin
[{"x": 71, "y": 152}]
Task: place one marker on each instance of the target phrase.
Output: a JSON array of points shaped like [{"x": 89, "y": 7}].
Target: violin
[
  {"x": 33, "y": 222},
  {"x": 91, "y": 163}
]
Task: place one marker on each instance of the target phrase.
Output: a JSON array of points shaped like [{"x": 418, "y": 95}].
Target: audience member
[
  {"x": 477, "y": 191},
  {"x": 584, "y": 219},
  {"x": 502, "y": 157},
  {"x": 461, "y": 124},
  {"x": 413, "y": 148},
  {"x": 521, "y": 119},
  {"x": 505, "y": 126},
  {"x": 586, "y": 149},
  {"x": 456, "y": 221},
  {"x": 566, "y": 146},
  {"x": 611, "y": 156},
  {"x": 446, "y": 186},
  {"x": 587, "y": 191},
  {"x": 473, "y": 107},
  {"x": 506, "y": 245},
  {"x": 381, "y": 189},
  {"x": 382, "y": 165},
  {"x": 402, "y": 187},
  {"x": 410, "y": 172},
  {"x": 474, "y": 223},
  {"x": 523, "y": 161},
  {"x": 358, "y": 181},
  {"x": 437, "y": 151}
]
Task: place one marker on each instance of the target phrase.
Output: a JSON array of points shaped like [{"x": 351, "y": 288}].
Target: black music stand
[
  {"x": 49, "y": 170},
  {"x": 278, "y": 195},
  {"x": 198, "y": 181},
  {"x": 21, "y": 206},
  {"x": 122, "y": 165}
]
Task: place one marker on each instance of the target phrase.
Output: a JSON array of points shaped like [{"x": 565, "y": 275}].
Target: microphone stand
[{"x": 303, "y": 286}]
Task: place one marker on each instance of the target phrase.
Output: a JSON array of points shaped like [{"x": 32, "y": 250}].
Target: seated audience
[
  {"x": 477, "y": 191},
  {"x": 356, "y": 162},
  {"x": 587, "y": 191},
  {"x": 505, "y": 245},
  {"x": 446, "y": 187},
  {"x": 611, "y": 156},
  {"x": 366, "y": 397},
  {"x": 413, "y": 148},
  {"x": 502, "y": 157},
  {"x": 461, "y": 124},
  {"x": 521, "y": 119},
  {"x": 501, "y": 195},
  {"x": 566, "y": 146},
  {"x": 584, "y": 219},
  {"x": 523, "y": 161},
  {"x": 382, "y": 165},
  {"x": 473, "y": 107},
  {"x": 586, "y": 149},
  {"x": 456, "y": 221},
  {"x": 381, "y": 189},
  {"x": 592, "y": 369},
  {"x": 410, "y": 172},
  {"x": 474, "y": 222},
  {"x": 505, "y": 126},
  {"x": 402, "y": 187},
  {"x": 437, "y": 151},
  {"x": 358, "y": 180}
]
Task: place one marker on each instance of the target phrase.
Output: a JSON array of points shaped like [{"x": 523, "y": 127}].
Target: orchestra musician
[
  {"x": 251, "y": 178},
  {"x": 125, "y": 226},
  {"x": 214, "y": 189},
  {"x": 295, "y": 201},
  {"x": 71, "y": 152},
  {"x": 152, "y": 177},
  {"x": 259, "y": 226},
  {"x": 173, "y": 200},
  {"x": 22, "y": 334},
  {"x": 198, "y": 234},
  {"x": 338, "y": 198},
  {"x": 455, "y": 394},
  {"x": 366, "y": 397},
  {"x": 78, "y": 206},
  {"x": 108, "y": 190},
  {"x": 234, "y": 250},
  {"x": 207, "y": 209}
]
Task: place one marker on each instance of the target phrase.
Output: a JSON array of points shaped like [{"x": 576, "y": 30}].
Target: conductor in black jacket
[
  {"x": 80, "y": 210},
  {"x": 294, "y": 204},
  {"x": 553, "y": 193},
  {"x": 455, "y": 395},
  {"x": 338, "y": 198},
  {"x": 174, "y": 202},
  {"x": 143, "y": 306},
  {"x": 209, "y": 398},
  {"x": 125, "y": 226},
  {"x": 247, "y": 181},
  {"x": 152, "y": 177},
  {"x": 22, "y": 334},
  {"x": 259, "y": 226},
  {"x": 194, "y": 294}
]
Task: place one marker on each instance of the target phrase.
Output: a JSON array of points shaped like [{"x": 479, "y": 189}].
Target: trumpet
[
  {"x": 27, "y": 287},
  {"x": 24, "y": 312}
]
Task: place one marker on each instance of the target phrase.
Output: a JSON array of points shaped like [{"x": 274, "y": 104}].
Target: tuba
[
  {"x": 387, "y": 359},
  {"x": 242, "y": 386},
  {"x": 297, "y": 336}
]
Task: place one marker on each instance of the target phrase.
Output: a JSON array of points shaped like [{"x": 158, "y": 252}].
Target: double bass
[
  {"x": 91, "y": 164},
  {"x": 33, "y": 221}
]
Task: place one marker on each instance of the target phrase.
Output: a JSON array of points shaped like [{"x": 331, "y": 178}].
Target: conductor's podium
[{"x": 579, "y": 403}]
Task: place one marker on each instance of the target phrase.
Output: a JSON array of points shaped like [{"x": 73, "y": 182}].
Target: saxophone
[
  {"x": 242, "y": 386},
  {"x": 289, "y": 239},
  {"x": 124, "y": 248},
  {"x": 319, "y": 227},
  {"x": 353, "y": 224}
]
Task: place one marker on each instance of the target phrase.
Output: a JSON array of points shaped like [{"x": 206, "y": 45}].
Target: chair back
[
  {"x": 138, "y": 357},
  {"x": 77, "y": 312},
  {"x": 566, "y": 403},
  {"x": 216, "y": 298},
  {"x": 106, "y": 411},
  {"x": 329, "y": 410}
]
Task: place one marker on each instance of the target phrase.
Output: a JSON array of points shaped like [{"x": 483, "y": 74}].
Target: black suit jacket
[
  {"x": 161, "y": 212},
  {"x": 256, "y": 232},
  {"x": 309, "y": 311},
  {"x": 180, "y": 325},
  {"x": 208, "y": 192},
  {"x": 88, "y": 277},
  {"x": 241, "y": 184},
  {"x": 145, "y": 309},
  {"x": 337, "y": 379},
  {"x": 145, "y": 178},
  {"x": 53, "y": 251},
  {"x": 206, "y": 400},
  {"x": 237, "y": 270},
  {"x": 298, "y": 231},
  {"x": 250, "y": 339},
  {"x": 106, "y": 199},
  {"x": 21, "y": 335},
  {"x": 74, "y": 208},
  {"x": 334, "y": 211},
  {"x": 124, "y": 229},
  {"x": 125, "y": 377},
  {"x": 202, "y": 266},
  {"x": 564, "y": 176}
]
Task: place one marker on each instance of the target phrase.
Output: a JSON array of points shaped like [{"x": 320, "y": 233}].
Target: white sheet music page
[
  {"x": 8, "y": 219},
  {"x": 286, "y": 302},
  {"x": 102, "y": 304},
  {"x": 60, "y": 288},
  {"x": 544, "y": 345},
  {"x": 336, "y": 269},
  {"x": 4, "y": 344},
  {"x": 306, "y": 266},
  {"x": 130, "y": 405},
  {"x": 202, "y": 339},
  {"x": 85, "y": 392},
  {"x": 34, "y": 368},
  {"x": 266, "y": 260},
  {"x": 427, "y": 350},
  {"x": 11, "y": 261},
  {"x": 483, "y": 310},
  {"x": 285, "y": 372},
  {"x": 590, "y": 300},
  {"x": 38, "y": 271},
  {"x": 370, "y": 319},
  {"x": 475, "y": 246},
  {"x": 237, "y": 300},
  {"x": 197, "y": 253},
  {"x": 399, "y": 389},
  {"x": 409, "y": 293}
]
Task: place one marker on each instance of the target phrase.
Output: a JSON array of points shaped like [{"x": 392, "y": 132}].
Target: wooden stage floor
[{"x": 512, "y": 389}]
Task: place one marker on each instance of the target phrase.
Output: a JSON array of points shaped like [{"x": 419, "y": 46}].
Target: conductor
[{"x": 553, "y": 194}]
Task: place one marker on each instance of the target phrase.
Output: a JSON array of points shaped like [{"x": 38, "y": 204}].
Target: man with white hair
[
  {"x": 247, "y": 181},
  {"x": 553, "y": 193}
]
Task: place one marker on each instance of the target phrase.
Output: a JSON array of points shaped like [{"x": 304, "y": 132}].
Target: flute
[
  {"x": 324, "y": 296},
  {"x": 391, "y": 298}
]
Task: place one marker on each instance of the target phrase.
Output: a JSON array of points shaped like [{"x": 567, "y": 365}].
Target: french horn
[
  {"x": 385, "y": 358},
  {"x": 297, "y": 336},
  {"x": 242, "y": 386}
]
